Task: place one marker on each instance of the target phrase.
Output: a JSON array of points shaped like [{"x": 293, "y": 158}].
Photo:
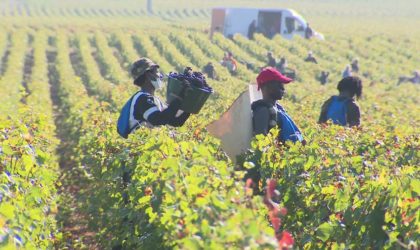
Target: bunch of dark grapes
[{"x": 196, "y": 79}]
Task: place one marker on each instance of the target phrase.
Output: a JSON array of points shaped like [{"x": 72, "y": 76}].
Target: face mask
[{"x": 158, "y": 84}]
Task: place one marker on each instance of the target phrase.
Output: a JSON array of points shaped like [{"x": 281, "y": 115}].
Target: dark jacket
[{"x": 150, "y": 109}]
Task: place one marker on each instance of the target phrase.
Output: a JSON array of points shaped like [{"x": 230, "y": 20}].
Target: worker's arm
[
  {"x": 146, "y": 109},
  {"x": 324, "y": 110},
  {"x": 353, "y": 114}
]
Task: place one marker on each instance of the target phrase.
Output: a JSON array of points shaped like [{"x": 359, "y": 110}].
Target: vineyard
[{"x": 68, "y": 181}]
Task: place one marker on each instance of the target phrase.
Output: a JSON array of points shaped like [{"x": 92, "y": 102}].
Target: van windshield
[{"x": 293, "y": 25}]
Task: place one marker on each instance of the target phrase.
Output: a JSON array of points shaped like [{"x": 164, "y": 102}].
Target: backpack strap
[{"x": 134, "y": 123}]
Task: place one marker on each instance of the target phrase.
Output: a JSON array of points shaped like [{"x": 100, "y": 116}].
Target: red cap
[{"x": 271, "y": 74}]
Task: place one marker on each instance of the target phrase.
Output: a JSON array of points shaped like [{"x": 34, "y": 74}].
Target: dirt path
[{"x": 71, "y": 217}]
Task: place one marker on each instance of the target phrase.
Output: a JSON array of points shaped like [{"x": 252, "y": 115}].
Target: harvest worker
[
  {"x": 271, "y": 61},
  {"x": 229, "y": 62},
  {"x": 415, "y": 79},
  {"x": 347, "y": 72},
  {"x": 355, "y": 65},
  {"x": 309, "y": 33},
  {"x": 342, "y": 109},
  {"x": 311, "y": 58},
  {"x": 282, "y": 65},
  {"x": 210, "y": 70},
  {"x": 267, "y": 112},
  {"x": 323, "y": 78},
  {"x": 144, "y": 108},
  {"x": 252, "y": 28},
  {"x": 148, "y": 108}
]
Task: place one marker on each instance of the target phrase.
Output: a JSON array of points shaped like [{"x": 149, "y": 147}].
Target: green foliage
[
  {"x": 175, "y": 188},
  {"x": 13, "y": 73},
  {"x": 181, "y": 193},
  {"x": 28, "y": 174},
  {"x": 347, "y": 187}
]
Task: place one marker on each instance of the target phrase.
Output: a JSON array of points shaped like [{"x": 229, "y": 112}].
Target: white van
[{"x": 269, "y": 22}]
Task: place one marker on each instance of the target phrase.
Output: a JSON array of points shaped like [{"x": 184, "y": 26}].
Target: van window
[
  {"x": 293, "y": 25},
  {"x": 299, "y": 26},
  {"x": 290, "y": 24},
  {"x": 269, "y": 23}
]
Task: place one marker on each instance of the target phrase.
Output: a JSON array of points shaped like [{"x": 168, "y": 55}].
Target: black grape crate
[{"x": 194, "y": 97}]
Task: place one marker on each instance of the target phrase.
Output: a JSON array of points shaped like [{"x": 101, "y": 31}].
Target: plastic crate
[{"x": 194, "y": 98}]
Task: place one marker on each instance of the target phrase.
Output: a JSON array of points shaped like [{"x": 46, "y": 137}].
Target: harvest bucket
[{"x": 194, "y": 98}]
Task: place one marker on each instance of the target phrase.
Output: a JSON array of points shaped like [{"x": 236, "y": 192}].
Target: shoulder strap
[
  {"x": 278, "y": 106},
  {"x": 134, "y": 100},
  {"x": 132, "y": 120},
  {"x": 281, "y": 109}
]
